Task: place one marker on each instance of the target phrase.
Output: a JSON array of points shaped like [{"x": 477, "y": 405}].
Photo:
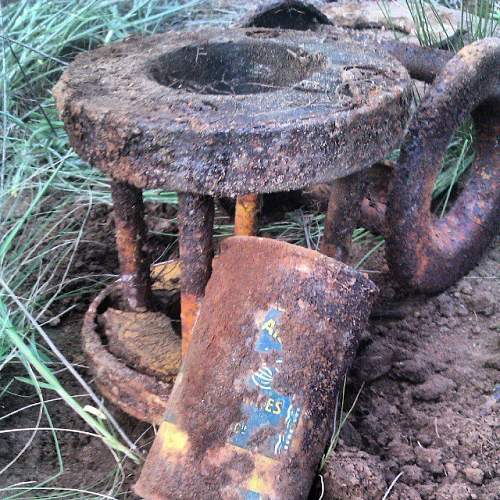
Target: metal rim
[{"x": 138, "y": 394}]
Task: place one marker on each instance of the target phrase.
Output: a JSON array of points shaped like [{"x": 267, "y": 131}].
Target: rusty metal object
[
  {"x": 130, "y": 238},
  {"x": 422, "y": 63},
  {"x": 342, "y": 216},
  {"x": 127, "y": 370},
  {"x": 252, "y": 409},
  {"x": 246, "y": 214},
  {"x": 427, "y": 253},
  {"x": 196, "y": 112},
  {"x": 196, "y": 221},
  {"x": 374, "y": 204},
  {"x": 146, "y": 340},
  {"x": 286, "y": 14}
]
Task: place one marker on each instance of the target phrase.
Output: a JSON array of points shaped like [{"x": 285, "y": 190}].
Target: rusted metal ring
[
  {"x": 139, "y": 394},
  {"x": 426, "y": 253}
]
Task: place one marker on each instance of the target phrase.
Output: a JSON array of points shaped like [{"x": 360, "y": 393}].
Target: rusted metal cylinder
[
  {"x": 130, "y": 239},
  {"x": 374, "y": 204},
  {"x": 196, "y": 221},
  {"x": 342, "y": 216},
  {"x": 424, "y": 252},
  {"x": 246, "y": 214},
  {"x": 252, "y": 409}
]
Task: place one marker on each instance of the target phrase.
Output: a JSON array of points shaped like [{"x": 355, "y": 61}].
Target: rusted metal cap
[
  {"x": 228, "y": 112},
  {"x": 423, "y": 63}
]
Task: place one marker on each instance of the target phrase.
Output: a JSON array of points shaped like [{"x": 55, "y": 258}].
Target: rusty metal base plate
[
  {"x": 233, "y": 111},
  {"x": 135, "y": 357}
]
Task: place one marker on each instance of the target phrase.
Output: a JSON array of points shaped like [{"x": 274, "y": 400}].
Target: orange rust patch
[
  {"x": 245, "y": 218},
  {"x": 190, "y": 309}
]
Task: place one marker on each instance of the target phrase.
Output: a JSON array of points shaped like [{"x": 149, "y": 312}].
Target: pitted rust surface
[
  {"x": 130, "y": 230},
  {"x": 286, "y": 14},
  {"x": 230, "y": 112},
  {"x": 427, "y": 253},
  {"x": 422, "y": 63},
  {"x": 342, "y": 215},
  {"x": 196, "y": 220},
  {"x": 252, "y": 409},
  {"x": 374, "y": 204}
]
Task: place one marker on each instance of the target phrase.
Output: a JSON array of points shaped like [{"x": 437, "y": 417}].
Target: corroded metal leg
[
  {"x": 245, "y": 217},
  {"x": 130, "y": 238},
  {"x": 342, "y": 216},
  {"x": 196, "y": 219}
]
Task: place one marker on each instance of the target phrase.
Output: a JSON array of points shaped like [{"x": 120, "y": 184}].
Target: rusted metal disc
[
  {"x": 113, "y": 355},
  {"x": 236, "y": 111},
  {"x": 427, "y": 253}
]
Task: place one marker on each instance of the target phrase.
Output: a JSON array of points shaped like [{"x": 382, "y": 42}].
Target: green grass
[
  {"x": 477, "y": 20},
  {"x": 47, "y": 193}
]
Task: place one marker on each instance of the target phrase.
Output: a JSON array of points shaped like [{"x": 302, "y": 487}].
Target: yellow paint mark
[
  {"x": 174, "y": 440},
  {"x": 261, "y": 479}
]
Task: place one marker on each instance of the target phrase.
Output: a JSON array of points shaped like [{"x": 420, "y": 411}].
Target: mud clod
[
  {"x": 474, "y": 475},
  {"x": 434, "y": 388},
  {"x": 351, "y": 475}
]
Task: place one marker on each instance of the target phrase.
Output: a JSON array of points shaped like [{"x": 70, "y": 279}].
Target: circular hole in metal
[{"x": 237, "y": 68}]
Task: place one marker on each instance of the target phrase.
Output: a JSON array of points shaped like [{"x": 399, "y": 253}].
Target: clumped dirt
[
  {"x": 428, "y": 409},
  {"x": 427, "y": 413}
]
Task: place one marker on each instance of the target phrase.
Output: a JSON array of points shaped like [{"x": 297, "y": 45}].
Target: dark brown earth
[{"x": 428, "y": 408}]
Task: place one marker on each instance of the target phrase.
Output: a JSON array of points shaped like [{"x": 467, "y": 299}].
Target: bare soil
[{"x": 427, "y": 414}]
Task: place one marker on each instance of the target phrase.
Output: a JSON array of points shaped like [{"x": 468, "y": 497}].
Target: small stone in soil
[
  {"x": 434, "y": 388},
  {"x": 429, "y": 459},
  {"x": 482, "y": 302},
  {"x": 474, "y": 475}
]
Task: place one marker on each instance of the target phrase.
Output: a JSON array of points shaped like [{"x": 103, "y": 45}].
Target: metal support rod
[
  {"x": 245, "y": 216},
  {"x": 196, "y": 219},
  {"x": 342, "y": 215},
  {"x": 130, "y": 239}
]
